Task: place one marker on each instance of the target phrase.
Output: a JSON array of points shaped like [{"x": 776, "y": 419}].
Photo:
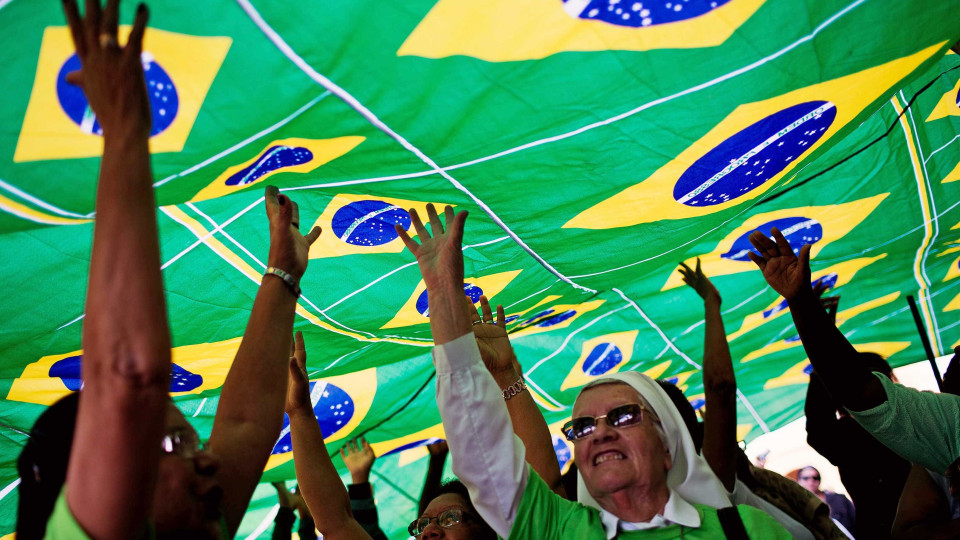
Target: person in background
[
  {"x": 449, "y": 514},
  {"x": 841, "y": 509},
  {"x": 921, "y": 427},
  {"x": 872, "y": 474},
  {"x": 359, "y": 459},
  {"x": 438, "y": 457},
  {"x": 283, "y": 522},
  {"x": 929, "y": 507},
  {"x": 719, "y": 432}
]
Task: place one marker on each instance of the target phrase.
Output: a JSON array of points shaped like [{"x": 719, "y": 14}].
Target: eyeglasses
[
  {"x": 618, "y": 417},
  {"x": 446, "y": 519},
  {"x": 182, "y": 442},
  {"x": 817, "y": 478}
]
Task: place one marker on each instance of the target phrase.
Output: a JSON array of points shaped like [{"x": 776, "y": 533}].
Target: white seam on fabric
[
  {"x": 936, "y": 224},
  {"x": 672, "y": 345},
  {"x": 41, "y": 203},
  {"x": 262, "y": 527},
  {"x": 62, "y": 326},
  {"x": 529, "y": 296},
  {"x": 244, "y": 142},
  {"x": 10, "y": 487},
  {"x": 258, "y": 261},
  {"x": 921, "y": 186},
  {"x": 651, "y": 104},
  {"x": 199, "y": 408},
  {"x": 320, "y": 79},
  {"x": 941, "y": 148},
  {"x": 363, "y": 181},
  {"x": 566, "y": 341}
]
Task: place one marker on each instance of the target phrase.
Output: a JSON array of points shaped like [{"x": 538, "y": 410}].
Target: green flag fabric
[{"x": 596, "y": 144}]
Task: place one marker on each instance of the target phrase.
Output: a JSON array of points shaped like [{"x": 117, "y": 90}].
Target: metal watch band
[{"x": 287, "y": 278}]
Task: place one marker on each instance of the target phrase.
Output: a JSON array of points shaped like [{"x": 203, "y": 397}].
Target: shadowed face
[
  {"x": 809, "y": 478},
  {"x": 612, "y": 459},
  {"x": 186, "y": 502}
]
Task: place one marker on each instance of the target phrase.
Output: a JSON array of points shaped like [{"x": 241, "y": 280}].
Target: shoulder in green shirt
[
  {"x": 544, "y": 515},
  {"x": 63, "y": 526}
]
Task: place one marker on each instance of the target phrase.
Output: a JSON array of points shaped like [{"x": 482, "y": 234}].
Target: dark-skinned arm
[
  {"x": 824, "y": 433},
  {"x": 923, "y": 512},
  {"x": 126, "y": 361},
  {"x": 438, "y": 458},
  {"x": 719, "y": 383},
  {"x": 320, "y": 485},
  {"x": 245, "y": 429},
  {"x": 836, "y": 361}
]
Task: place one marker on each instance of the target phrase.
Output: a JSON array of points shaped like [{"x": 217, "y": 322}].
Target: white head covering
[{"x": 690, "y": 477}]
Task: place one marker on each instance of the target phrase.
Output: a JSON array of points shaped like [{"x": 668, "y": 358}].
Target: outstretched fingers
[
  {"x": 783, "y": 247},
  {"x": 109, "y": 19},
  {"x": 485, "y": 308},
  {"x": 418, "y": 225},
  {"x": 135, "y": 41},
  {"x": 435, "y": 224},
  {"x": 469, "y": 307},
  {"x": 76, "y": 27},
  {"x": 501, "y": 317},
  {"x": 91, "y": 23}
]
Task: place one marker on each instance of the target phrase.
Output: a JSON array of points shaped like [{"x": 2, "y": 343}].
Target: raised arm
[
  {"x": 359, "y": 458},
  {"x": 438, "y": 457},
  {"x": 833, "y": 358},
  {"x": 320, "y": 485},
  {"x": 719, "y": 383},
  {"x": 126, "y": 342},
  {"x": 486, "y": 455},
  {"x": 528, "y": 423},
  {"x": 250, "y": 412},
  {"x": 824, "y": 433}
]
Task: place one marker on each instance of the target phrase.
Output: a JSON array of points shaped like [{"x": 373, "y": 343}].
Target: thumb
[
  {"x": 313, "y": 235},
  {"x": 75, "y": 78}
]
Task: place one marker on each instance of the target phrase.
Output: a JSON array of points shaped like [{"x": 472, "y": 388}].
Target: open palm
[{"x": 784, "y": 271}]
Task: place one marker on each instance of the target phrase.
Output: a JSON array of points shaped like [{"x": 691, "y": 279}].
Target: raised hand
[
  {"x": 786, "y": 273},
  {"x": 287, "y": 499},
  {"x": 495, "y": 348},
  {"x": 440, "y": 256},
  {"x": 298, "y": 385},
  {"x": 438, "y": 448},
  {"x": 289, "y": 250},
  {"x": 358, "y": 457},
  {"x": 111, "y": 76},
  {"x": 699, "y": 282}
]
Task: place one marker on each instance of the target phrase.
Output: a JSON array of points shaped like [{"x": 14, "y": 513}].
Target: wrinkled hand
[
  {"x": 786, "y": 273},
  {"x": 439, "y": 256},
  {"x": 111, "y": 76},
  {"x": 438, "y": 449},
  {"x": 298, "y": 385},
  {"x": 289, "y": 250},
  {"x": 699, "y": 282},
  {"x": 358, "y": 457},
  {"x": 492, "y": 339}
]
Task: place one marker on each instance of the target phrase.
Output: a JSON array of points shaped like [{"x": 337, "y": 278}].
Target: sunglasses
[
  {"x": 618, "y": 417},
  {"x": 446, "y": 519},
  {"x": 817, "y": 478}
]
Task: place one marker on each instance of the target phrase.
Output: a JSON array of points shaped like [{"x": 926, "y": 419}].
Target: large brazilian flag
[{"x": 596, "y": 144}]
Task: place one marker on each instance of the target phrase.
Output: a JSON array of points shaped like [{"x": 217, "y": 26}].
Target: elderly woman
[{"x": 640, "y": 475}]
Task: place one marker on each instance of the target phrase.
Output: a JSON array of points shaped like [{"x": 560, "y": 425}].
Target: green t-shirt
[
  {"x": 544, "y": 515},
  {"x": 63, "y": 526}
]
